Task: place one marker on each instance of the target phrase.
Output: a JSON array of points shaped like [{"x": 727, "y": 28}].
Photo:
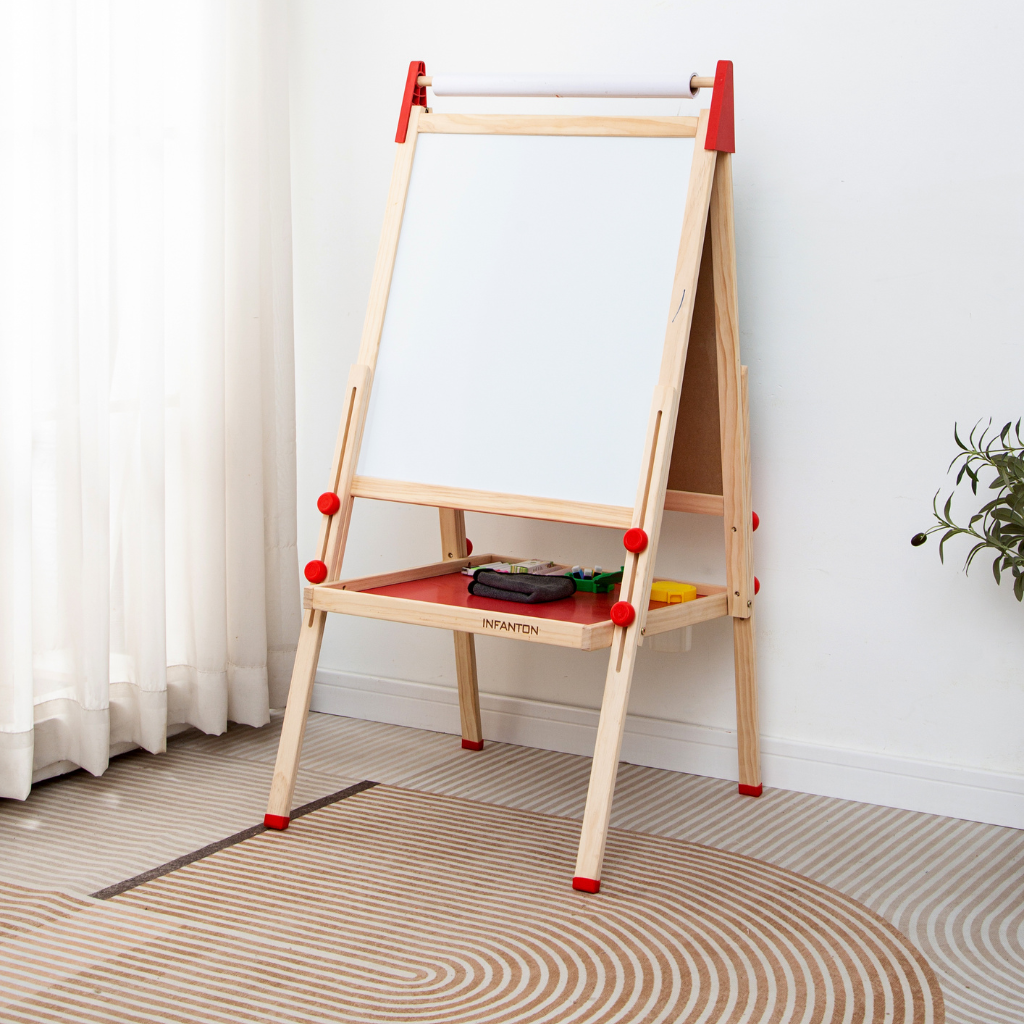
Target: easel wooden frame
[{"x": 708, "y": 218}]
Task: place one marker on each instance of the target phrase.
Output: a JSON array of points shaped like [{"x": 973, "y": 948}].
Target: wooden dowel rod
[{"x": 696, "y": 81}]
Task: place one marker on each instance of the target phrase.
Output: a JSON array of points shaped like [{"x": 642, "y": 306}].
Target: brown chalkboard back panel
[{"x": 697, "y": 450}]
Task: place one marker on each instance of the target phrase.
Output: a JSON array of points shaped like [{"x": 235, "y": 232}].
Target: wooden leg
[
  {"x": 453, "y": 545},
  {"x": 605, "y": 765},
  {"x": 747, "y": 738},
  {"x": 469, "y": 693},
  {"x": 334, "y": 527},
  {"x": 634, "y": 593},
  {"x": 731, "y": 396},
  {"x": 300, "y": 692},
  {"x": 746, "y": 707}
]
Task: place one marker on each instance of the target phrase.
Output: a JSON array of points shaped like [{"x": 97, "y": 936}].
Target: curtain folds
[{"x": 148, "y": 572}]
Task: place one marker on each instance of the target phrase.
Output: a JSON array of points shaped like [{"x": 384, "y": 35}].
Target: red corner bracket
[
  {"x": 415, "y": 96},
  {"x": 721, "y": 124}
]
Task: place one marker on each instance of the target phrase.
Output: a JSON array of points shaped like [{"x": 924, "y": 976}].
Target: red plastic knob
[
  {"x": 316, "y": 571},
  {"x": 756, "y": 521},
  {"x": 328, "y": 503},
  {"x": 635, "y": 540},
  {"x": 623, "y": 613},
  {"x": 469, "y": 547},
  {"x": 757, "y": 584}
]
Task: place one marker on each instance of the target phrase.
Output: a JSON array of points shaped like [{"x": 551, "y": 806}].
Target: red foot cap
[
  {"x": 757, "y": 584},
  {"x": 586, "y": 884},
  {"x": 469, "y": 547},
  {"x": 278, "y": 821},
  {"x": 316, "y": 571},
  {"x": 622, "y": 613},
  {"x": 328, "y": 503},
  {"x": 750, "y": 790},
  {"x": 756, "y": 521},
  {"x": 635, "y": 540},
  {"x": 472, "y": 744}
]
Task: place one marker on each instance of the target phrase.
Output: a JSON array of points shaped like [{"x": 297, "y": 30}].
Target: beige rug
[{"x": 395, "y": 906}]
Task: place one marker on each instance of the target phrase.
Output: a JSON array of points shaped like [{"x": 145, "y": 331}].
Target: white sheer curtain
[{"x": 148, "y": 573}]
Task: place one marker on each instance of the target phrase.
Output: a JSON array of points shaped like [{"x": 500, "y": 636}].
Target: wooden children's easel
[{"x": 695, "y": 459}]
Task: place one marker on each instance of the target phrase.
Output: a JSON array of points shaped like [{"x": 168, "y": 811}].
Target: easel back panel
[{"x": 697, "y": 448}]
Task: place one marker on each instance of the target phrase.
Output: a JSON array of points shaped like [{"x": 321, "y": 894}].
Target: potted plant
[{"x": 998, "y": 524}]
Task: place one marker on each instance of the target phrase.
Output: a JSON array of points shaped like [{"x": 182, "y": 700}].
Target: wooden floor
[{"x": 954, "y": 888}]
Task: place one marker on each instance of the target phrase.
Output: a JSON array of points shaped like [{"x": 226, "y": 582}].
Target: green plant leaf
[
  {"x": 942, "y": 542},
  {"x": 999, "y": 524},
  {"x": 970, "y": 556}
]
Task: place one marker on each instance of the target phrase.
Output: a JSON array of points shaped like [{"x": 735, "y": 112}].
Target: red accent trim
[
  {"x": 635, "y": 540},
  {"x": 750, "y": 790},
  {"x": 755, "y": 520},
  {"x": 757, "y": 585},
  {"x": 415, "y": 96},
  {"x": 622, "y": 613},
  {"x": 329, "y": 503},
  {"x": 469, "y": 547},
  {"x": 721, "y": 121},
  {"x": 586, "y": 884},
  {"x": 278, "y": 821},
  {"x": 315, "y": 571},
  {"x": 472, "y": 744}
]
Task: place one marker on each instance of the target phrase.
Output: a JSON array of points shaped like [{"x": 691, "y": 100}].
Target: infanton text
[{"x": 511, "y": 627}]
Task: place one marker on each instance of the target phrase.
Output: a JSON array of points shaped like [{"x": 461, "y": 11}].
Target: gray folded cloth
[{"x": 523, "y": 587}]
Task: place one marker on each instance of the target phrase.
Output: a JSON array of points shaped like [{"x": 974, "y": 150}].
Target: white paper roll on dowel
[{"x": 627, "y": 86}]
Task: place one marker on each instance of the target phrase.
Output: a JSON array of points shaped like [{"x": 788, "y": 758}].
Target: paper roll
[{"x": 631, "y": 86}]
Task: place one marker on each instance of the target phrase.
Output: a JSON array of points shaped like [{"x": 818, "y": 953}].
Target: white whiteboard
[{"x": 527, "y": 314}]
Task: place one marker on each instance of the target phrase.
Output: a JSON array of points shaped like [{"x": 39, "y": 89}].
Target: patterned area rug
[{"x": 395, "y": 906}]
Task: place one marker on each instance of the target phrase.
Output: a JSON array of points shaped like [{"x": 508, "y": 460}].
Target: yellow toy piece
[{"x": 670, "y": 592}]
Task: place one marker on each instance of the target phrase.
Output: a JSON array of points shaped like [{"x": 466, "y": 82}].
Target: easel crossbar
[
  {"x": 526, "y": 507},
  {"x": 553, "y": 124},
  {"x": 553, "y": 509}
]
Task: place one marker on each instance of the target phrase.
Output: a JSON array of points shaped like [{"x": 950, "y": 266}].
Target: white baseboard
[{"x": 934, "y": 788}]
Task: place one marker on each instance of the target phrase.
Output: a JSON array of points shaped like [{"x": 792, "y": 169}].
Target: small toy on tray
[
  {"x": 471, "y": 570},
  {"x": 595, "y": 581},
  {"x": 671, "y": 592},
  {"x": 539, "y": 567}
]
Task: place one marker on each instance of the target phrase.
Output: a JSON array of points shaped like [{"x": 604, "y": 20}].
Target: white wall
[{"x": 881, "y": 254}]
